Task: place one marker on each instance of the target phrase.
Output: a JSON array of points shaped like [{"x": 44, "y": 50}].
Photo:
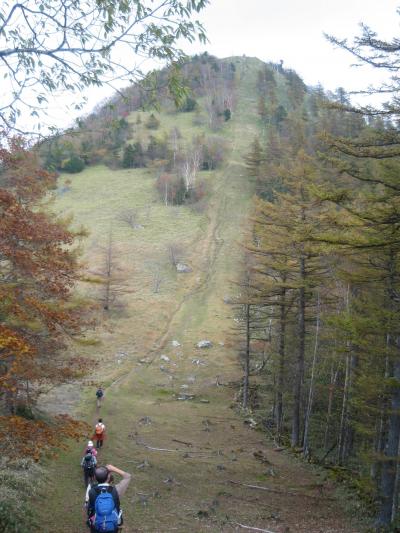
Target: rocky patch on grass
[{"x": 204, "y": 344}]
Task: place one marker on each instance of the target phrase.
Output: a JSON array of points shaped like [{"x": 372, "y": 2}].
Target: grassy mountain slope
[{"x": 186, "y": 455}]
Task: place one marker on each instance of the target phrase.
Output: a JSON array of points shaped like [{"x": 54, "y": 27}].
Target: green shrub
[
  {"x": 73, "y": 165},
  {"x": 190, "y": 104},
  {"x": 152, "y": 123}
]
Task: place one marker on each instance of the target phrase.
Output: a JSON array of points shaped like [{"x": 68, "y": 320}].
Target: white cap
[{"x": 90, "y": 443}]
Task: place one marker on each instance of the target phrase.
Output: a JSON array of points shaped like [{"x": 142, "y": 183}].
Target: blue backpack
[{"x": 106, "y": 513}]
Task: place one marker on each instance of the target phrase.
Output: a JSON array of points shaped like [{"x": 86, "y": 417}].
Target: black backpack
[
  {"x": 89, "y": 463},
  {"x": 99, "y": 393}
]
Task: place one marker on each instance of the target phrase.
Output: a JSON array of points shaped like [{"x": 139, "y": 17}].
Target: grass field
[{"x": 186, "y": 455}]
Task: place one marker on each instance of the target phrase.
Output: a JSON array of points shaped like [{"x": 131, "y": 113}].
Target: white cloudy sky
[{"x": 291, "y": 30}]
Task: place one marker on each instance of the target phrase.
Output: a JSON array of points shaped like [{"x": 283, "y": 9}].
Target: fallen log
[
  {"x": 254, "y": 528},
  {"x": 183, "y": 442},
  {"x": 277, "y": 491},
  {"x": 168, "y": 450}
]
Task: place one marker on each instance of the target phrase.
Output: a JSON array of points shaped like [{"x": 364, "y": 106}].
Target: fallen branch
[
  {"x": 329, "y": 451},
  {"x": 168, "y": 450},
  {"x": 276, "y": 491},
  {"x": 254, "y": 528},
  {"x": 183, "y": 442}
]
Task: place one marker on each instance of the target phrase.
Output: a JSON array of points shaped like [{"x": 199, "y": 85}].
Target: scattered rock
[
  {"x": 184, "y": 386},
  {"x": 198, "y": 362},
  {"x": 143, "y": 498},
  {"x": 144, "y": 361},
  {"x": 182, "y": 268},
  {"x": 227, "y": 299},
  {"x": 175, "y": 344},
  {"x": 170, "y": 480},
  {"x": 203, "y": 400},
  {"x": 184, "y": 397},
  {"x": 145, "y": 421},
  {"x": 145, "y": 464},
  {"x": 221, "y": 343},
  {"x": 191, "y": 379},
  {"x": 261, "y": 457},
  {"x": 165, "y": 358},
  {"x": 204, "y": 344},
  {"x": 221, "y": 467},
  {"x": 207, "y": 425},
  {"x": 250, "y": 422}
]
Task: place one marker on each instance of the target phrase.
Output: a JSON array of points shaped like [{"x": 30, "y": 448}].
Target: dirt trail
[{"x": 197, "y": 465}]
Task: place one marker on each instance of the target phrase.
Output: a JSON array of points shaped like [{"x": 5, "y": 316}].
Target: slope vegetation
[{"x": 172, "y": 420}]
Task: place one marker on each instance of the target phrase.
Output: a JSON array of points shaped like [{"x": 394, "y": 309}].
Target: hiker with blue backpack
[{"x": 103, "y": 500}]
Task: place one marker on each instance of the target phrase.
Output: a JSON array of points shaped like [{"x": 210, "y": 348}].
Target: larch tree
[{"x": 381, "y": 222}]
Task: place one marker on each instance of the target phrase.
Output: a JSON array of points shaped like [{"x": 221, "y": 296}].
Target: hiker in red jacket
[{"x": 99, "y": 433}]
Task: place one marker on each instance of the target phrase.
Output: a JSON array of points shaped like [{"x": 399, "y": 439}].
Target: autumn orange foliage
[{"x": 38, "y": 269}]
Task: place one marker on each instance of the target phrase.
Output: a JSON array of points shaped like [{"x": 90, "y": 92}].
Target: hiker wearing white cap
[
  {"x": 88, "y": 464},
  {"x": 90, "y": 448}
]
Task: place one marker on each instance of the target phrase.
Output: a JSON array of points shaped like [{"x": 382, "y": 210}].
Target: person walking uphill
[
  {"x": 99, "y": 433},
  {"x": 103, "y": 508},
  {"x": 99, "y": 397},
  {"x": 88, "y": 465}
]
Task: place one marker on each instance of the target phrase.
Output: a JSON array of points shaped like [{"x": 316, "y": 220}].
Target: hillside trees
[
  {"x": 38, "y": 268},
  {"x": 88, "y": 38},
  {"x": 180, "y": 182},
  {"x": 326, "y": 245},
  {"x": 373, "y": 160},
  {"x": 290, "y": 267},
  {"x": 133, "y": 156}
]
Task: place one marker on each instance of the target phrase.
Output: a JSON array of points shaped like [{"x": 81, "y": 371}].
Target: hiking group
[{"x": 102, "y": 499}]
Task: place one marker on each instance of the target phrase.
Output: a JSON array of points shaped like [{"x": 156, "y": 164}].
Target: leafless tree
[
  {"x": 191, "y": 165},
  {"x": 157, "y": 275},
  {"x": 175, "y": 135},
  {"x": 129, "y": 217},
  {"x": 175, "y": 253},
  {"x": 111, "y": 276}
]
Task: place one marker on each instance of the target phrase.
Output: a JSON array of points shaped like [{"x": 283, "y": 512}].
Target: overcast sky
[{"x": 291, "y": 30}]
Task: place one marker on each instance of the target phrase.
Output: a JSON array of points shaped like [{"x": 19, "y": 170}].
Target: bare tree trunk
[
  {"x": 311, "y": 390},
  {"x": 389, "y": 478},
  {"x": 346, "y": 394},
  {"x": 395, "y": 504},
  {"x": 166, "y": 194},
  {"x": 334, "y": 376},
  {"x": 389, "y": 466},
  {"x": 246, "y": 360},
  {"x": 281, "y": 371},
  {"x": 344, "y": 413},
  {"x": 382, "y": 421},
  {"x": 295, "y": 440}
]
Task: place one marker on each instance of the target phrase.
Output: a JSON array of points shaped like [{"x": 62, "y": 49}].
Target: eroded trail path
[{"x": 196, "y": 465}]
